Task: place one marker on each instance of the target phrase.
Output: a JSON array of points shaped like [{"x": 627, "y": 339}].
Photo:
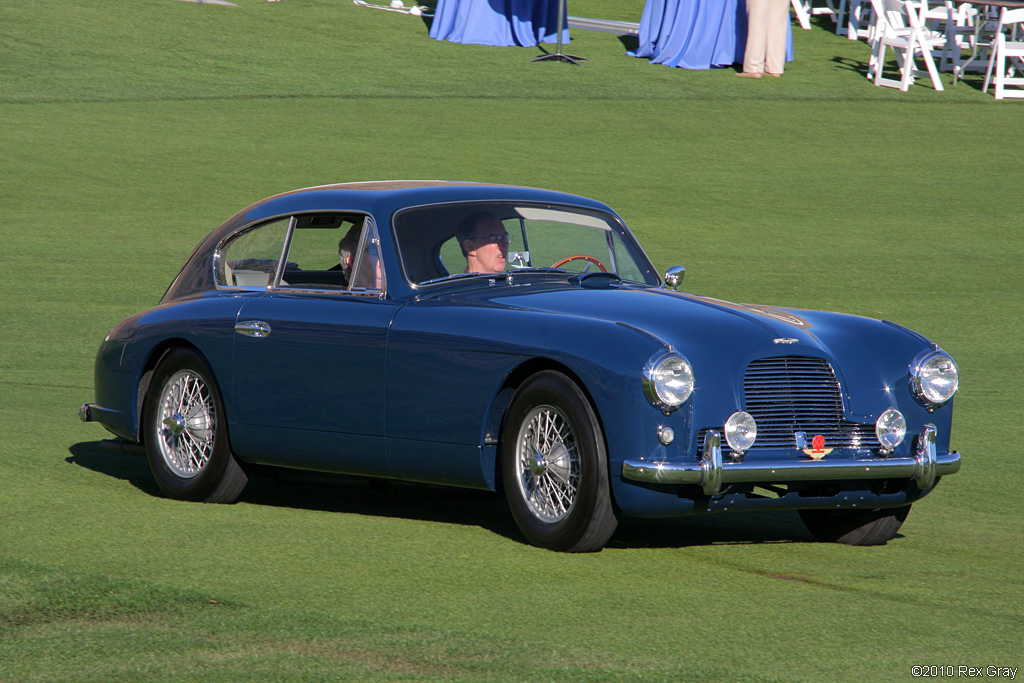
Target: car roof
[
  {"x": 381, "y": 198},
  {"x": 385, "y": 197}
]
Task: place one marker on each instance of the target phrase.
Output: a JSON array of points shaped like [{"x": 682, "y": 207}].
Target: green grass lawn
[{"x": 129, "y": 130}]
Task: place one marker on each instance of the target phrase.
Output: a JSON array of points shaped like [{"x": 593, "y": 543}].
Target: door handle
[{"x": 253, "y": 328}]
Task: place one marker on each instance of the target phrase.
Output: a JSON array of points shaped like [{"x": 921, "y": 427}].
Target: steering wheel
[{"x": 580, "y": 257}]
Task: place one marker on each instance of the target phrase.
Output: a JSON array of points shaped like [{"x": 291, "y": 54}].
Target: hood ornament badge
[
  {"x": 817, "y": 451},
  {"x": 785, "y": 340}
]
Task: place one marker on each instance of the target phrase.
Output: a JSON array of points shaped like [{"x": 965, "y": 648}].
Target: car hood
[{"x": 721, "y": 338}]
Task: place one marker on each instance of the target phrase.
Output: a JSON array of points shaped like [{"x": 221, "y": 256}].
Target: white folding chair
[
  {"x": 859, "y": 18},
  {"x": 1008, "y": 60},
  {"x": 954, "y": 20},
  {"x": 805, "y": 9},
  {"x": 898, "y": 26}
]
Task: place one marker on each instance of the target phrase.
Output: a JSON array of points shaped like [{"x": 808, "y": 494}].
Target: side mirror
[{"x": 674, "y": 277}]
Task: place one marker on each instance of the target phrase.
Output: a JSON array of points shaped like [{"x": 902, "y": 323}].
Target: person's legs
[
  {"x": 776, "y": 33},
  {"x": 757, "y": 23}
]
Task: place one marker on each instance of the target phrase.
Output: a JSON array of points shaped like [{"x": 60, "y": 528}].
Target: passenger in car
[
  {"x": 347, "y": 250},
  {"x": 484, "y": 243}
]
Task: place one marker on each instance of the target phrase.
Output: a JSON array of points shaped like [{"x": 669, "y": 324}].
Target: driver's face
[{"x": 487, "y": 250}]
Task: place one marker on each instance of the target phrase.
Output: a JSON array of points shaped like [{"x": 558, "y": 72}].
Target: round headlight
[
  {"x": 934, "y": 378},
  {"x": 668, "y": 381},
  {"x": 890, "y": 429},
  {"x": 740, "y": 432}
]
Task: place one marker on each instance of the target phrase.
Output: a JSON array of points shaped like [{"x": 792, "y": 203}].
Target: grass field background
[{"x": 130, "y": 129}]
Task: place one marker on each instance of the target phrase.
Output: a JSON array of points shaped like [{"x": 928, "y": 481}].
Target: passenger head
[
  {"x": 484, "y": 243},
  {"x": 347, "y": 249}
]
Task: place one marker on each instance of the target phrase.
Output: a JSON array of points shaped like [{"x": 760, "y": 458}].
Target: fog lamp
[
  {"x": 890, "y": 429},
  {"x": 740, "y": 432}
]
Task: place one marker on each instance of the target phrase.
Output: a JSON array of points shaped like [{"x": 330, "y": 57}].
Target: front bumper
[{"x": 711, "y": 473}]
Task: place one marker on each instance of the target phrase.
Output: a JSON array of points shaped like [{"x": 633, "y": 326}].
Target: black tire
[
  {"x": 555, "y": 466},
  {"x": 185, "y": 431},
  {"x": 855, "y": 527}
]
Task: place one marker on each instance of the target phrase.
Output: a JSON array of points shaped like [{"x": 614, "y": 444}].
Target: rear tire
[
  {"x": 855, "y": 527},
  {"x": 555, "y": 466},
  {"x": 186, "y": 435}
]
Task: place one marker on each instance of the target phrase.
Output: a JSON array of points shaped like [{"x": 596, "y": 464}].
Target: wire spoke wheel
[
  {"x": 548, "y": 464},
  {"x": 555, "y": 466},
  {"x": 185, "y": 431},
  {"x": 187, "y": 426}
]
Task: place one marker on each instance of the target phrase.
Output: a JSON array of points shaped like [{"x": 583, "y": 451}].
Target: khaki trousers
[{"x": 767, "y": 25}]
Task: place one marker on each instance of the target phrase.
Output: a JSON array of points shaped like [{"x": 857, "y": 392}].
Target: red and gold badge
[{"x": 817, "y": 449}]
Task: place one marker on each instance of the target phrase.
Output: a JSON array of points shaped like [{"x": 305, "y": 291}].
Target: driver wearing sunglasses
[{"x": 484, "y": 243}]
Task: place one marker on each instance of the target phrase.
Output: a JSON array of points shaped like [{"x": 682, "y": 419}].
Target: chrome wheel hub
[
  {"x": 548, "y": 464},
  {"x": 187, "y": 424}
]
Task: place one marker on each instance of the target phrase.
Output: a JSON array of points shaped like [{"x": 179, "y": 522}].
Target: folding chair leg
[
  {"x": 988, "y": 74},
  {"x": 1001, "y": 73},
  {"x": 907, "y": 66},
  {"x": 929, "y": 63},
  {"x": 840, "y": 13},
  {"x": 879, "y": 62},
  {"x": 802, "y": 14}
]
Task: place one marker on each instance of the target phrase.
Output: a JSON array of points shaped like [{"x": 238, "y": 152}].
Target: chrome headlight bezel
[
  {"x": 668, "y": 381},
  {"x": 929, "y": 390}
]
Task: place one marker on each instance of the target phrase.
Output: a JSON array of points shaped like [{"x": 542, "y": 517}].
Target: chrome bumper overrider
[{"x": 710, "y": 473}]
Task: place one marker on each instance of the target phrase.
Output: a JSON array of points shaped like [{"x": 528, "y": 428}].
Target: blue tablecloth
[
  {"x": 696, "y": 34},
  {"x": 497, "y": 22}
]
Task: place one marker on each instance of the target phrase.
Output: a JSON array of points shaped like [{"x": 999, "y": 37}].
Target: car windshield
[{"x": 437, "y": 243}]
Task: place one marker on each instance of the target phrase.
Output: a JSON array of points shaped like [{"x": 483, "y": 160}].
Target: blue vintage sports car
[{"x": 516, "y": 339}]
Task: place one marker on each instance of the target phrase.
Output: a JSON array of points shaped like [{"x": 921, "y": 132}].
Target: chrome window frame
[{"x": 369, "y": 228}]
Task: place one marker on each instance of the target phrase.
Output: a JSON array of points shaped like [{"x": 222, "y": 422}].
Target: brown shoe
[{"x": 749, "y": 74}]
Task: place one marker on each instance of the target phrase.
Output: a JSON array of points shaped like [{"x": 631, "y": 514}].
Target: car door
[{"x": 309, "y": 353}]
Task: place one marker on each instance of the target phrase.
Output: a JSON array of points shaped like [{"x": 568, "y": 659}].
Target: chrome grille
[{"x": 797, "y": 393}]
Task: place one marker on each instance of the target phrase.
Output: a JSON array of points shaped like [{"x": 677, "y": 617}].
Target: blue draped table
[
  {"x": 696, "y": 34},
  {"x": 497, "y": 22}
]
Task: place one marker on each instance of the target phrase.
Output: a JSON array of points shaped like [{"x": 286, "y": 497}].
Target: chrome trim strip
[
  {"x": 282, "y": 262},
  {"x": 372, "y": 293},
  {"x": 923, "y": 470}
]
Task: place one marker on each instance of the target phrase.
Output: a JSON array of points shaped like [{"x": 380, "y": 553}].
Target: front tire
[
  {"x": 855, "y": 527},
  {"x": 185, "y": 432},
  {"x": 555, "y": 466}
]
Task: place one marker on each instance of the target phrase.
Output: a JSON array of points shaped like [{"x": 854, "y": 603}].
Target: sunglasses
[{"x": 495, "y": 238}]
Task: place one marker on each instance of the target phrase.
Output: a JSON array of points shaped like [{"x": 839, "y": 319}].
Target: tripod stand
[{"x": 557, "y": 54}]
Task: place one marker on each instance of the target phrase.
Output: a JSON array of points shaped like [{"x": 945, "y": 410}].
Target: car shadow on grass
[
  {"x": 737, "y": 528},
  {"x": 128, "y": 467},
  {"x": 447, "y": 505}
]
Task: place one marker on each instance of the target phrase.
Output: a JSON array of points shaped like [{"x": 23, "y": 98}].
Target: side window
[
  {"x": 250, "y": 260},
  {"x": 330, "y": 251}
]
